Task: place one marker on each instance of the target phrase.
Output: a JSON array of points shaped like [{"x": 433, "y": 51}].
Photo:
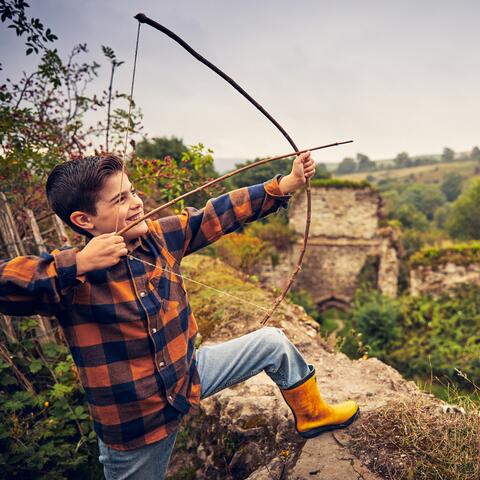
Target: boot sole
[{"x": 327, "y": 428}]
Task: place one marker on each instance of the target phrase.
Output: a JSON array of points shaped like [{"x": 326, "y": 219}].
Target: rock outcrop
[
  {"x": 440, "y": 278},
  {"x": 247, "y": 431}
]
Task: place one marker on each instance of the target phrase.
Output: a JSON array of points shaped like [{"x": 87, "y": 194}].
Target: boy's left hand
[{"x": 303, "y": 167}]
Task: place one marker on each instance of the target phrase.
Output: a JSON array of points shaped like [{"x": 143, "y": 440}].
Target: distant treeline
[{"x": 362, "y": 163}]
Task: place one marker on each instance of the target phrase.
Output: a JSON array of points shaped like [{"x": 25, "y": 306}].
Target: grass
[
  {"x": 424, "y": 173},
  {"x": 417, "y": 440},
  {"x": 459, "y": 254},
  {"x": 212, "y": 308}
]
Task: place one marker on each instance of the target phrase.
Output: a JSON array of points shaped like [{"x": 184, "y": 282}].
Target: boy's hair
[{"x": 76, "y": 184}]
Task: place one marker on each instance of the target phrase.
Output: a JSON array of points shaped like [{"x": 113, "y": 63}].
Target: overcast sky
[{"x": 391, "y": 75}]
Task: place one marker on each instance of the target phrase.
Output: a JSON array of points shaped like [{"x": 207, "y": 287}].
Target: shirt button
[
  {"x": 154, "y": 330},
  {"x": 142, "y": 294},
  {"x": 170, "y": 397},
  {"x": 161, "y": 364}
]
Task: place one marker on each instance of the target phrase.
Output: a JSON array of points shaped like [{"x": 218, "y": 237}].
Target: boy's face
[{"x": 129, "y": 208}]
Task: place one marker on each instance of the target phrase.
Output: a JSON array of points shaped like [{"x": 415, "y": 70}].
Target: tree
[
  {"x": 411, "y": 217},
  {"x": 347, "y": 165},
  {"x": 160, "y": 147},
  {"x": 426, "y": 198},
  {"x": 464, "y": 222},
  {"x": 402, "y": 160},
  {"x": 452, "y": 186},
  {"x": 475, "y": 154},
  {"x": 448, "y": 155},
  {"x": 365, "y": 164},
  {"x": 321, "y": 171}
]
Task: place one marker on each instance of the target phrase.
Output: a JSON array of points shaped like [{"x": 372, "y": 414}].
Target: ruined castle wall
[
  {"x": 441, "y": 278},
  {"x": 344, "y": 235}
]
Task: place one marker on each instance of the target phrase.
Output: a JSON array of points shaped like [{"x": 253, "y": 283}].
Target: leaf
[
  {"x": 13, "y": 405},
  {"x": 36, "y": 366},
  {"x": 59, "y": 390}
]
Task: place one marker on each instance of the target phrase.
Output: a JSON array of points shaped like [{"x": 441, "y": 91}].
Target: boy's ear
[{"x": 82, "y": 220}]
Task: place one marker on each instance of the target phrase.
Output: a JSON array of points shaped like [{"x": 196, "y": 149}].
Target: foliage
[
  {"x": 347, "y": 165},
  {"x": 37, "y": 36},
  {"x": 442, "y": 215},
  {"x": 403, "y": 160},
  {"x": 459, "y": 254},
  {"x": 412, "y": 218},
  {"x": 260, "y": 174},
  {"x": 448, "y": 155},
  {"x": 365, "y": 164},
  {"x": 45, "y": 427},
  {"x": 420, "y": 336},
  {"x": 161, "y": 147},
  {"x": 426, "y": 198},
  {"x": 475, "y": 154},
  {"x": 452, "y": 186},
  {"x": 42, "y": 115},
  {"x": 339, "y": 183},
  {"x": 464, "y": 222},
  {"x": 241, "y": 251},
  {"x": 304, "y": 299},
  {"x": 275, "y": 231},
  {"x": 166, "y": 179},
  {"x": 376, "y": 319}
]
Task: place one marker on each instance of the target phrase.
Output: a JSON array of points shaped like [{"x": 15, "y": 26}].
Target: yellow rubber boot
[{"x": 313, "y": 415}]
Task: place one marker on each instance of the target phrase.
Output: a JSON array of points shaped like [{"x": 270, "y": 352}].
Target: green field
[{"x": 422, "y": 174}]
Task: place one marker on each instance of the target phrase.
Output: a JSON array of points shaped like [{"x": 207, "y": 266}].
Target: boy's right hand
[{"x": 102, "y": 251}]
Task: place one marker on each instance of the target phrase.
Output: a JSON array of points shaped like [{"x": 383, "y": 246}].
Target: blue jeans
[{"x": 219, "y": 367}]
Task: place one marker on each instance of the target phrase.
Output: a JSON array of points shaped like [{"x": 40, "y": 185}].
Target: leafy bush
[
  {"x": 339, "y": 183},
  {"x": 45, "y": 427},
  {"x": 275, "y": 231},
  {"x": 464, "y": 221},
  {"x": 240, "y": 251},
  {"x": 460, "y": 254},
  {"x": 420, "y": 336},
  {"x": 376, "y": 319}
]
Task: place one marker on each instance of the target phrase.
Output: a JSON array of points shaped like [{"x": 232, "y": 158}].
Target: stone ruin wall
[
  {"x": 344, "y": 235},
  {"x": 445, "y": 277}
]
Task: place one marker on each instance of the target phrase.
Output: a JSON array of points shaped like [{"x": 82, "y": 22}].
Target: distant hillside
[{"x": 424, "y": 173}]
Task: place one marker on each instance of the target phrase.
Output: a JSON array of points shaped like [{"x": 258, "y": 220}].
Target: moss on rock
[{"x": 460, "y": 254}]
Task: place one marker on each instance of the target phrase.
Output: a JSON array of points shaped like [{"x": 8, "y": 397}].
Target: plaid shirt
[{"x": 130, "y": 327}]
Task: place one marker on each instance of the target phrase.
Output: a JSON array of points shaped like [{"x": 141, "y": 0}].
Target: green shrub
[
  {"x": 378, "y": 321},
  {"x": 460, "y": 254},
  {"x": 339, "y": 183},
  {"x": 420, "y": 336},
  {"x": 45, "y": 428}
]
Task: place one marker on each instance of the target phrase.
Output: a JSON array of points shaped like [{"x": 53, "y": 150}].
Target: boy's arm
[
  {"x": 32, "y": 285},
  {"x": 194, "y": 229},
  {"x": 35, "y": 285},
  {"x": 225, "y": 214}
]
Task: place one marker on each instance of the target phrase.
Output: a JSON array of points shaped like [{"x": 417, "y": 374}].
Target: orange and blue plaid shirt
[{"x": 130, "y": 328}]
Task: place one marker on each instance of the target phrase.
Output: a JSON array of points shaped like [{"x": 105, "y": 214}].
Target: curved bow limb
[{"x": 142, "y": 18}]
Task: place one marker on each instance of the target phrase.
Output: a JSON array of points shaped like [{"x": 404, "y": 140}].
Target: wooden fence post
[
  {"x": 7, "y": 327},
  {"x": 8, "y": 231},
  {"x": 37, "y": 237}
]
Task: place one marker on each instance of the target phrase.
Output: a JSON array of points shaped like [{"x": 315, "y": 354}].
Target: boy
[{"x": 126, "y": 317}]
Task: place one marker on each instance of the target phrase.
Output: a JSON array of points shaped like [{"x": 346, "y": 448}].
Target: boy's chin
[{"x": 137, "y": 231}]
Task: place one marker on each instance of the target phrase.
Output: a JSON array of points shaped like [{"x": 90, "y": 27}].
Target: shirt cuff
[
  {"x": 272, "y": 187},
  {"x": 66, "y": 266}
]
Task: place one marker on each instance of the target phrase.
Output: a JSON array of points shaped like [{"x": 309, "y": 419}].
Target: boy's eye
[{"x": 134, "y": 192}]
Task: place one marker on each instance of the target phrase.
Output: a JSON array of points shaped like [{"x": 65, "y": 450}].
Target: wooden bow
[{"x": 144, "y": 19}]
